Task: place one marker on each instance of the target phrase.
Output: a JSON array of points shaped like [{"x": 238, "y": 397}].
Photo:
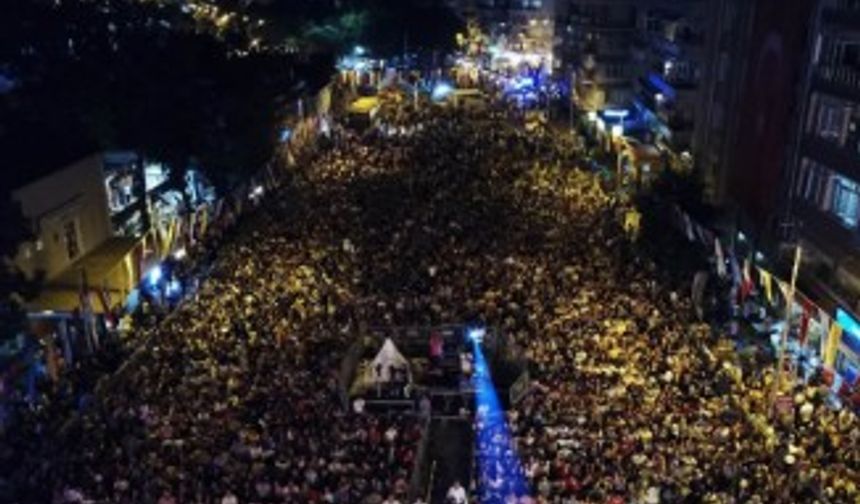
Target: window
[
  {"x": 812, "y": 181},
  {"x": 70, "y": 236},
  {"x": 846, "y": 200},
  {"x": 832, "y": 119}
]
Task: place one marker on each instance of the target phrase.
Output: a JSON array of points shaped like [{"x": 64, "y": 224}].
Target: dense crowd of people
[{"x": 465, "y": 220}]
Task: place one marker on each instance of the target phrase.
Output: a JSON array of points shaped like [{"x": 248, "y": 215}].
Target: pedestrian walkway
[{"x": 451, "y": 442}]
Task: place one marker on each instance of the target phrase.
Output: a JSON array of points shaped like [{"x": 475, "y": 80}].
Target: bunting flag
[
  {"x": 746, "y": 281},
  {"x": 825, "y": 321},
  {"x": 766, "y": 284},
  {"x": 736, "y": 269},
  {"x": 721, "y": 260},
  {"x": 808, "y": 310},
  {"x": 192, "y": 222},
  {"x": 180, "y": 230},
  {"x": 688, "y": 228},
  {"x": 204, "y": 220},
  {"x": 167, "y": 244},
  {"x": 834, "y": 338}
]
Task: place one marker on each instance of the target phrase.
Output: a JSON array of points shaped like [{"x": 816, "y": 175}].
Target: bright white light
[
  {"x": 257, "y": 192},
  {"x": 359, "y": 50},
  {"x": 617, "y": 130},
  {"x": 741, "y": 236},
  {"x": 601, "y": 126},
  {"x": 659, "y": 97},
  {"x": 180, "y": 254},
  {"x": 620, "y": 113},
  {"x": 441, "y": 91},
  {"x": 154, "y": 275},
  {"x": 592, "y": 116},
  {"x": 477, "y": 335},
  {"x": 667, "y": 66}
]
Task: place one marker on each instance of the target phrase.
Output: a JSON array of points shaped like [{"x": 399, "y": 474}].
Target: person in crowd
[{"x": 234, "y": 397}]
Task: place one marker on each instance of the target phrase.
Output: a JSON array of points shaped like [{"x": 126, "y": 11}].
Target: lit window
[
  {"x": 832, "y": 120},
  {"x": 846, "y": 200}
]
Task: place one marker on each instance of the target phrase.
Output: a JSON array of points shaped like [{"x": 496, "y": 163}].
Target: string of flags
[{"x": 807, "y": 317}]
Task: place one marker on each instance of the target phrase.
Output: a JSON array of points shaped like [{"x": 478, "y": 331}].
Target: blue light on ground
[{"x": 500, "y": 473}]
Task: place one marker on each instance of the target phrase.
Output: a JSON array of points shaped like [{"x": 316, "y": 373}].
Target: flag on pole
[
  {"x": 766, "y": 284},
  {"x": 688, "y": 227},
  {"x": 204, "y": 220},
  {"x": 834, "y": 338},
  {"x": 824, "y": 320},
  {"x": 721, "y": 260},
  {"x": 736, "y": 269},
  {"x": 192, "y": 222},
  {"x": 746, "y": 282},
  {"x": 808, "y": 310}
]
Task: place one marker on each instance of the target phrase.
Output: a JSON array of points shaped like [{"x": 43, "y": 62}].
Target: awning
[{"x": 108, "y": 266}]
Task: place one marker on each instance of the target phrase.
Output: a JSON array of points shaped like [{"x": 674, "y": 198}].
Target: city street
[{"x": 467, "y": 221}]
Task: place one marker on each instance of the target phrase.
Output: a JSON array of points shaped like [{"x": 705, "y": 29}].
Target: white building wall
[{"x": 69, "y": 214}]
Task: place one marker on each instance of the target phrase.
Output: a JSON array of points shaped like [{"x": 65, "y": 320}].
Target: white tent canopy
[{"x": 388, "y": 358}]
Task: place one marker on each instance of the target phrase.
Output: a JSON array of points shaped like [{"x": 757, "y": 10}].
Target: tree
[
  {"x": 146, "y": 77},
  {"x": 387, "y": 27}
]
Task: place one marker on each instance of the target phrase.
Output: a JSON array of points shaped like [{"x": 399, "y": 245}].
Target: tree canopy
[
  {"x": 145, "y": 77},
  {"x": 386, "y": 27}
]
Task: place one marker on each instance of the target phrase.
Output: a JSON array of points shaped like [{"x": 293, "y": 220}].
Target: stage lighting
[{"x": 476, "y": 335}]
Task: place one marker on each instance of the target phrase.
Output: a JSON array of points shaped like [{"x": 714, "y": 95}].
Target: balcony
[
  {"x": 838, "y": 158},
  {"x": 825, "y": 231},
  {"x": 838, "y": 80}
]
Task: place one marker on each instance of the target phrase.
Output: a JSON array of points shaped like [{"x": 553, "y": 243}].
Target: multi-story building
[
  {"x": 824, "y": 175},
  {"x": 594, "y": 50},
  {"x": 669, "y": 49},
  {"x": 717, "y": 117},
  {"x": 92, "y": 222}
]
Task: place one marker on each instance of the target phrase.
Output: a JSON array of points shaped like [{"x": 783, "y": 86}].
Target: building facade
[
  {"x": 824, "y": 177},
  {"x": 669, "y": 52},
  {"x": 718, "y": 115},
  {"x": 594, "y": 50},
  {"x": 96, "y": 223},
  {"x": 68, "y": 214}
]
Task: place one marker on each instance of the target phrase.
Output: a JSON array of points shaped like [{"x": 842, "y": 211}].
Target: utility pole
[{"x": 783, "y": 343}]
